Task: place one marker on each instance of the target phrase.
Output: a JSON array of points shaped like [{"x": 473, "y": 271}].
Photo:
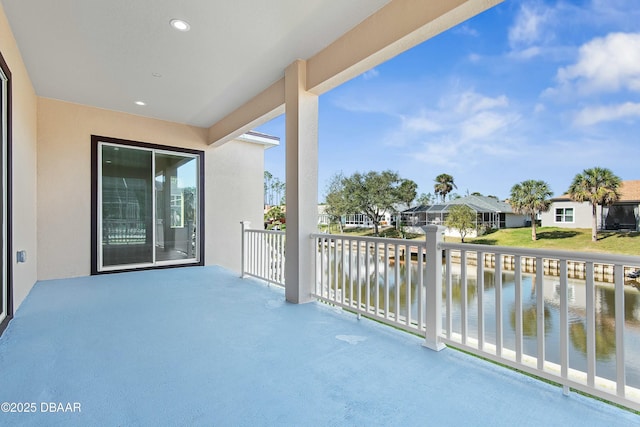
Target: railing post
[
  {"x": 433, "y": 234},
  {"x": 243, "y": 256}
]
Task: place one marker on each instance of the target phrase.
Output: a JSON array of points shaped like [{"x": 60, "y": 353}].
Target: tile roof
[{"x": 629, "y": 192}]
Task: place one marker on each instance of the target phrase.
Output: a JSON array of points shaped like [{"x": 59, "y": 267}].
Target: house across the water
[
  {"x": 622, "y": 215},
  {"x": 491, "y": 214}
]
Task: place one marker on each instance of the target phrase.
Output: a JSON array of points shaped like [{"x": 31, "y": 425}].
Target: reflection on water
[{"x": 355, "y": 275}]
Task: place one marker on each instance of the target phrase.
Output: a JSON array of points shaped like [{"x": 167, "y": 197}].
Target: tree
[
  {"x": 531, "y": 197},
  {"x": 598, "y": 186},
  {"x": 278, "y": 189},
  {"x": 337, "y": 205},
  {"x": 424, "y": 199},
  {"x": 407, "y": 192},
  {"x": 371, "y": 194},
  {"x": 461, "y": 218},
  {"x": 444, "y": 185},
  {"x": 275, "y": 217},
  {"x": 267, "y": 187},
  {"x": 274, "y": 190}
]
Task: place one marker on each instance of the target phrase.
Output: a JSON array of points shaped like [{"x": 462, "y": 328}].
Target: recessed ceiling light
[
  {"x": 180, "y": 25},
  {"x": 141, "y": 103},
  {"x": 156, "y": 74}
]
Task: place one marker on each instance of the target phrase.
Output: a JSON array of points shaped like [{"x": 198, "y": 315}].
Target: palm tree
[
  {"x": 598, "y": 186},
  {"x": 531, "y": 197},
  {"x": 444, "y": 185}
]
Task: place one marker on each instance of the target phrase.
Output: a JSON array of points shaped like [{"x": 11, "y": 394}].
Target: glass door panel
[
  {"x": 127, "y": 206},
  {"x": 149, "y": 206},
  {"x": 176, "y": 178}
]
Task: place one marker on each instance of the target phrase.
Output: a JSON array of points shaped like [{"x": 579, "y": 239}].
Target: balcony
[
  {"x": 570, "y": 318},
  {"x": 200, "y": 346}
]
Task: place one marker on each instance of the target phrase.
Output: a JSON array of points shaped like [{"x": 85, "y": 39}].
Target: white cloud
[
  {"x": 421, "y": 123},
  {"x": 593, "y": 115},
  {"x": 473, "y": 102},
  {"x": 527, "y": 53},
  {"x": 605, "y": 64},
  {"x": 530, "y": 26},
  {"x": 371, "y": 74},
  {"x": 474, "y": 57},
  {"x": 539, "y": 108},
  {"x": 463, "y": 125},
  {"x": 485, "y": 124}
]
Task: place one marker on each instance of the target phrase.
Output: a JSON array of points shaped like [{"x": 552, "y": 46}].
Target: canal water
[{"x": 604, "y": 303}]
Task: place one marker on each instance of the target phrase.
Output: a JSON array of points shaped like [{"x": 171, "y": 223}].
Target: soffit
[{"x": 105, "y": 53}]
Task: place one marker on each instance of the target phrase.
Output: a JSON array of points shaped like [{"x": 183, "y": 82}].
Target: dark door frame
[{"x": 7, "y": 232}]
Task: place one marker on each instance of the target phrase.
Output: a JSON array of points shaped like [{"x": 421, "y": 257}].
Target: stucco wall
[
  {"x": 236, "y": 195},
  {"x": 515, "y": 220},
  {"x": 64, "y": 182},
  {"x": 581, "y": 215},
  {"x": 24, "y": 105}
]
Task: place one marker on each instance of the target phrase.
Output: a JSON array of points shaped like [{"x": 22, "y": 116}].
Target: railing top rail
[
  {"x": 367, "y": 239},
  {"x": 604, "y": 258},
  {"x": 259, "y": 231}
]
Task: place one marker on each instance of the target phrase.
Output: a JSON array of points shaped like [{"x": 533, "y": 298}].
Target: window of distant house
[
  {"x": 564, "y": 214},
  {"x": 147, "y": 205}
]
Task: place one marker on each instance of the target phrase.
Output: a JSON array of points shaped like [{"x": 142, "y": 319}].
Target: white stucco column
[{"x": 302, "y": 182}]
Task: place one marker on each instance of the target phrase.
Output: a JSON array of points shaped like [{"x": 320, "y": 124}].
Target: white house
[
  {"x": 622, "y": 215},
  {"x": 491, "y": 214}
]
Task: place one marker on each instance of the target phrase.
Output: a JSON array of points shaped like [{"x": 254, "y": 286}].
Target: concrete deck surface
[{"x": 199, "y": 346}]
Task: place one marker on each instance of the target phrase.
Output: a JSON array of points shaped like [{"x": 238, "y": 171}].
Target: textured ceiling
[{"x": 110, "y": 54}]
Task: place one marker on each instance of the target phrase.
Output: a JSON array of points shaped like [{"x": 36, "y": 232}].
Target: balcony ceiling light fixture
[
  {"x": 180, "y": 25},
  {"x": 141, "y": 103}
]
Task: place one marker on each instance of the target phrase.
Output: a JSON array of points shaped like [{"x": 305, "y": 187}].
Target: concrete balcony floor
[{"x": 199, "y": 346}]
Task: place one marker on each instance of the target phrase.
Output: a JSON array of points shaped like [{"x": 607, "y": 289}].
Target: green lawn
[
  {"x": 548, "y": 238},
  {"x": 565, "y": 239}
]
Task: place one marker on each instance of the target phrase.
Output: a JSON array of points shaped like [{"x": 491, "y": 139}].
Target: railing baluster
[
  {"x": 421, "y": 299},
  {"x": 463, "y": 298},
  {"x": 367, "y": 291},
  {"x": 480, "y": 296},
  {"x": 518, "y": 306},
  {"x": 540, "y": 312},
  {"x": 564, "y": 326},
  {"x": 336, "y": 275},
  {"x": 344, "y": 271},
  {"x": 377, "y": 282},
  {"x": 407, "y": 269},
  {"x": 498, "y": 288},
  {"x": 358, "y": 275},
  {"x": 386, "y": 281},
  {"x": 321, "y": 242},
  {"x": 396, "y": 278},
  {"x": 351, "y": 299},
  {"x": 591, "y": 325},
  {"x": 618, "y": 277},
  {"x": 449, "y": 296}
]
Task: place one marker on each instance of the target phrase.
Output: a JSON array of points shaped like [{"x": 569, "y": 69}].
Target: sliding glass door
[{"x": 148, "y": 206}]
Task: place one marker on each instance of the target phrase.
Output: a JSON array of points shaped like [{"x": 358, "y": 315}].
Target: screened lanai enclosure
[{"x": 486, "y": 219}]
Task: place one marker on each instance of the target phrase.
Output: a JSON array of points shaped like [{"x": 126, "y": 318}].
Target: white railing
[
  {"x": 263, "y": 254},
  {"x": 360, "y": 273},
  {"x": 400, "y": 283}
]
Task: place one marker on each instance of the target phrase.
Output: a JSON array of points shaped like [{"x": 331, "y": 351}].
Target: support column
[{"x": 302, "y": 182}]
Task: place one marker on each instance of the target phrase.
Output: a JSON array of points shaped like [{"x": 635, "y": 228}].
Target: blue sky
[{"x": 526, "y": 90}]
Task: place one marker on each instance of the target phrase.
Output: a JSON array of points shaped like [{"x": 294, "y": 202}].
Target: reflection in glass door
[
  {"x": 148, "y": 207},
  {"x": 127, "y": 224},
  {"x": 176, "y": 210}
]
